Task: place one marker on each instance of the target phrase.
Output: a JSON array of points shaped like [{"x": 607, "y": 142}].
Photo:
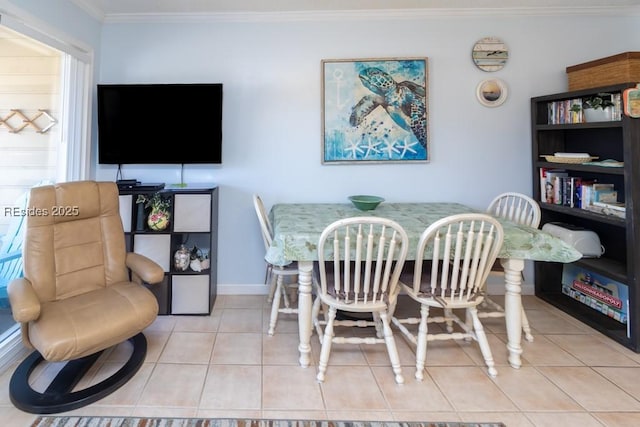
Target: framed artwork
[
  {"x": 490, "y": 54},
  {"x": 375, "y": 110},
  {"x": 492, "y": 92}
]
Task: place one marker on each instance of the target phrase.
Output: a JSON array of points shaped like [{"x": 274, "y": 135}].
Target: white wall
[
  {"x": 271, "y": 71},
  {"x": 271, "y": 75}
]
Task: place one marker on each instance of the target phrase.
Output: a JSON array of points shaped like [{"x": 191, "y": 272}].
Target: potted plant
[
  {"x": 158, "y": 218},
  {"x": 598, "y": 108}
]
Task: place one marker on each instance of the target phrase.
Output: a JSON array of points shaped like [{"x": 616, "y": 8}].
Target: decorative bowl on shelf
[
  {"x": 366, "y": 203},
  {"x": 568, "y": 159}
]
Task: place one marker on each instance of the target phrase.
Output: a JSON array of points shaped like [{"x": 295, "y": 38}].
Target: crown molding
[
  {"x": 31, "y": 26},
  {"x": 91, "y": 8},
  {"x": 367, "y": 15}
]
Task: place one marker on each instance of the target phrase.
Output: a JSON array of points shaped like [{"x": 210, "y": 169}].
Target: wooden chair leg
[
  {"x": 269, "y": 280},
  {"x": 327, "y": 340},
  {"x": 525, "y": 327},
  {"x": 483, "y": 342},
  {"x": 275, "y": 306},
  {"x": 391, "y": 348},
  {"x": 448, "y": 319},
  {"x": 285, "y": 295},
  {"x": 421, "y": 348}
]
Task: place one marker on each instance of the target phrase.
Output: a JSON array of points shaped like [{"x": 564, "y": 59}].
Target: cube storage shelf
[
  {"x": 620, "y": 264},
  {"x": 193, "y": 222}
]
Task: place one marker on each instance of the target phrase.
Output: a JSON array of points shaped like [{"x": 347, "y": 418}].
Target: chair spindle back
[
  {"x": 366, "y": 254},
  {"x": 263, "y": 218},
  {"x": 516, "y": 207},
  {"x": 464, "y": 248}
]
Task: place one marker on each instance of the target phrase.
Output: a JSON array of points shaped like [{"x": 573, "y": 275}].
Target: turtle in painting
[{"x": 403, "y": 101}]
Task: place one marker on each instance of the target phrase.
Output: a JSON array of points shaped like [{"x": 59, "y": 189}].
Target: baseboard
[{"x": 260, "y": 289}]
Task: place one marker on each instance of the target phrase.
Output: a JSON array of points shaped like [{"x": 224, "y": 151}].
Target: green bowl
[{"x": 366, "y": 203}]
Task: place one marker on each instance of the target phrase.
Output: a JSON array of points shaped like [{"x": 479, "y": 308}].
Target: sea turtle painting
[
  {"x": 404, "y": 102},
  {"x": 375, "y": 110}
]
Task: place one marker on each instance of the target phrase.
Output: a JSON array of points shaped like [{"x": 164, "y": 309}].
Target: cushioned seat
[
  {"x": 81, "y": 293},
  {"x": 123, "y": 306}
]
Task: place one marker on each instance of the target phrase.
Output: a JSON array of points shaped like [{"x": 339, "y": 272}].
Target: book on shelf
[
  {"x": 617, "y": 209},
  {"x": 558, "y": 188},
  {"x": 586, "y": 188},
  {"x": 604, "y": 193},
  {"x": 570, "y": 191},
  {"x": 550, "y": 186},
  {"x": 616, "y": 98},
  {"x": 569, "y": 111},
  {"x": 564, "y": 112},
  {"x": 616, "y": 206}
]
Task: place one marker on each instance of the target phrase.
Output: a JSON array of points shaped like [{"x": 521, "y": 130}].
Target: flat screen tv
[{"x": 160, "y": 123}]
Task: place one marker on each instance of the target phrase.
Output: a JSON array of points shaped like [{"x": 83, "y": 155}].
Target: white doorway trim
[
  {"x": 76, "y": 83},
  {"x": 76, "y": 126}
]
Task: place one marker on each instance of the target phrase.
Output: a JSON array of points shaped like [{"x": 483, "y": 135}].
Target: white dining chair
[
  {"x": 464, "y": 247},
  {"x": 520, "y": 209},
  {"x": 275, "y": 275},
  {"x": 359, "y": 262}
]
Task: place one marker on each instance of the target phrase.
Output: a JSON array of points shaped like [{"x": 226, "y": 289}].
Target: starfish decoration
[
  {"x": 372, "y": 146},
  {"x": 390, "y": 149},
  {"x": 407, "y": 147},
  {"x": 352, "y": 147}
]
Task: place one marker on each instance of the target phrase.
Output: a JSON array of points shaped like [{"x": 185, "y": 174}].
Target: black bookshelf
[{"x": 616, "y": 139}]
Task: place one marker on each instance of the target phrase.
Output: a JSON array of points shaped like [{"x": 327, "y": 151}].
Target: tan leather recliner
[{"x": 77, "y": 298}]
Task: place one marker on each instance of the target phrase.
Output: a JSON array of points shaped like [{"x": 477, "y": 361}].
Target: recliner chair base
[{"x": 59, "y": 397}]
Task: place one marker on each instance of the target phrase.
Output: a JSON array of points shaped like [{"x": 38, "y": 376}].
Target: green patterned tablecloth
[{"x": 297, "y": 228}]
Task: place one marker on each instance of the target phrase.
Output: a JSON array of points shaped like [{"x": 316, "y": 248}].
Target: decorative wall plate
[
  {"x": 490, "y": 54},
  {"x": 492, "y": 92}
]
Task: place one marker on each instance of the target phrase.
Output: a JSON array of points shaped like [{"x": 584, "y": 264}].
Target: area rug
[{"x": 48, "y": 421}]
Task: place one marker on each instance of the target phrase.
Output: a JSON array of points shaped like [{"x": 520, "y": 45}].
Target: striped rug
[{"x": 49, "y": 421}]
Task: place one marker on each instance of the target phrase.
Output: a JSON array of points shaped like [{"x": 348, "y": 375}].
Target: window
[{"x": 39, "y": 72}]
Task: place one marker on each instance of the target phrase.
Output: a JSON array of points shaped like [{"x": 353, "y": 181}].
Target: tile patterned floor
[{"x": 225, "y": 365}]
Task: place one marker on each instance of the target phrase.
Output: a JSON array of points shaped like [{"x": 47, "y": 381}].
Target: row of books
[
  {"x": 557, "y": 187},
  {"x": 561, "y": 112},
  {"x": 570, "y": 110}
]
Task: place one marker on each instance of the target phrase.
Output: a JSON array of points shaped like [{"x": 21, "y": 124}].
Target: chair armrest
[
  {"x": 25, "y": 304},
  {"x": 144, "y": 268}
]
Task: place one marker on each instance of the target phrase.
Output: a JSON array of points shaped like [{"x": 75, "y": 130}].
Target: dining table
[{"x": 297, "y": 228}]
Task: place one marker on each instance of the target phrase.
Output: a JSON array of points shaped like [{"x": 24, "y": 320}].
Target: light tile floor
[{"x": 225, "y": 365}]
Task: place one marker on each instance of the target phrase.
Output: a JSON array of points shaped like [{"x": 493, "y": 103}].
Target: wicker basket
[
  {"x": 571, "y": 160},
  {"x": 621, "y": 68}
]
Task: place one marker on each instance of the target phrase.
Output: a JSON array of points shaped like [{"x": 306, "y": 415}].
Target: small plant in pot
[
  {"x": 598, "y": 108},
  {"x": 158, "y": 218}
]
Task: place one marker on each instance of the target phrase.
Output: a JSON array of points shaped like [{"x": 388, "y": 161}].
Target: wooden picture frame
[
  {"x": 492, "y": 92},
  {"x": 375, "y": 110}
]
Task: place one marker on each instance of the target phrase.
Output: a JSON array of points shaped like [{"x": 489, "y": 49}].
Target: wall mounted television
[{"x": 160, "y": 123}]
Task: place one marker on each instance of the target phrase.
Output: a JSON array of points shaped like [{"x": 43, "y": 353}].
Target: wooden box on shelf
[{"x": 615, "y": 69}]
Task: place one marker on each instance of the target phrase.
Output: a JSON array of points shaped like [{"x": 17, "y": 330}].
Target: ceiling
[{"x": 105, "y": 8}]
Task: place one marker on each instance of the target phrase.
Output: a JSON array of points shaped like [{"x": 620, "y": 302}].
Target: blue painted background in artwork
[{"x": 375, "y": 110}]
